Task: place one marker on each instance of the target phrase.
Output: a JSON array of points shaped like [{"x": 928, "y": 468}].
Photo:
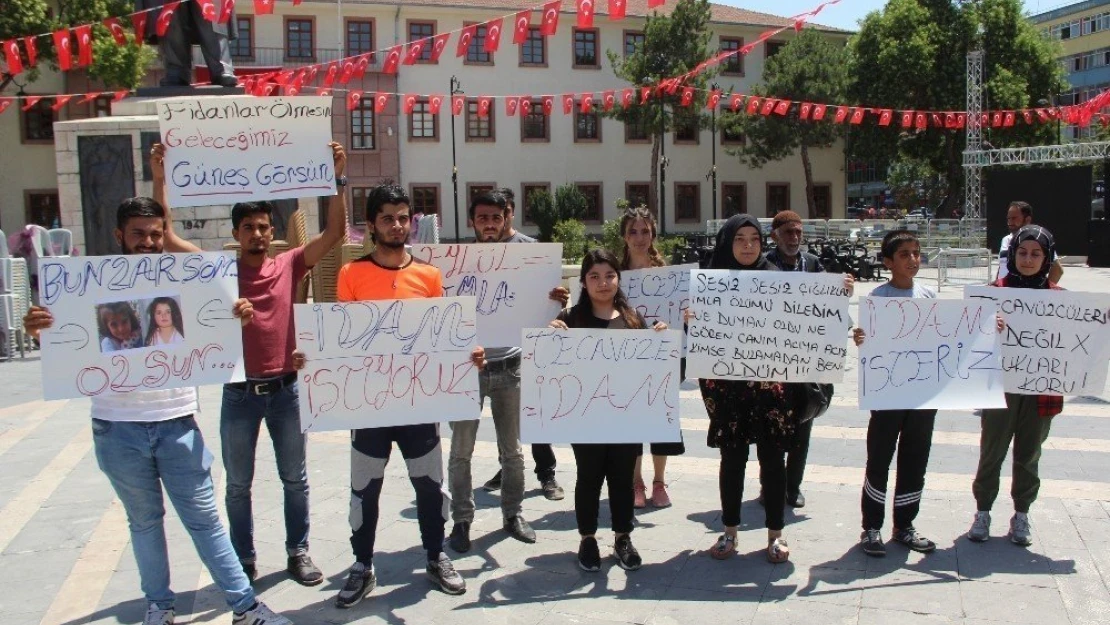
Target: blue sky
[{"x": 846, "y": 14}]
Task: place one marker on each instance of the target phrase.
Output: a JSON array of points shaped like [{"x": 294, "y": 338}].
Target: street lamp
[
  {"x": 662, "y": 168},
  {"x": 456, "y": 88},
  {"x": 713, "y": 148}
]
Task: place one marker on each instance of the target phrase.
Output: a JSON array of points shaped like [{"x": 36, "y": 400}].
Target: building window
[
  {"x": 528, "y": 189},
  {"x": 474, "y": 189},
  {"x": 771, "y": 48},
  {"x": 38, "y": 122},
  {"x": 592, "y": 192},
  {"x": 686, "y": 129},
  {"x": 734, "y": 65},
  {"x": 585, "y": 48},
  {"x": 731, "y": 136},
  {"x": 535, "y": 126},
  {"x": 360, "y": 37},
  {"x": 734, "y": 199},
  {"x": 778, "y": 198},
  {"x": 636, "y": 131},
  {"x": 423, "y": 30},
  {"x": 425, "y": 199},
  {"x": 358, "y": 205},
  {"x": 101, "y": 107},
  {"x": 422, "y": 124},
  {"x": 822, "y": 201},
  {"x": 587, "y": 126},
  {"x": 299, "y": 38},
  {"x": 476, "y": 54},
  {"x": 687, "y": 203},
  {"x": 533, "y": 52},
  {"x": 638, "y": 194},
  {"x": 633, "y": 40},
  {"x": 478, "y": 128},
  {"x": 243, "y": 46},
  {"x": 44, "y": 209},
  {"x": 363, "y": 125}
]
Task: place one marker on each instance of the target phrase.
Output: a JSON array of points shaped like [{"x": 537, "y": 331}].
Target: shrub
[{"x": 572, "y": 234}]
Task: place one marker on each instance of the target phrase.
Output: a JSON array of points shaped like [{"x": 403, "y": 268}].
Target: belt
[
  {"x": 265, "y": 387},
  {"x": 504, "y": 365}
]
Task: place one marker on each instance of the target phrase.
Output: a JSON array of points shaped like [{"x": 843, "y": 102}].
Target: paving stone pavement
[{"x": 65, "y": 558}]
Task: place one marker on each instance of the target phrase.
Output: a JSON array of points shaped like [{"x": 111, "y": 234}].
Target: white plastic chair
[
  {"x": 7, "y": 281},
  {"x": 9, "y": 342},
  {"x": 61, "y": 241},
  {"x": 4, "y": 253}
]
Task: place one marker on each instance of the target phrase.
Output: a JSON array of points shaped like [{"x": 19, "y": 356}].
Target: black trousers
[
  {"x": 772, "y": 478},
  {"x": 911, "y": 431},
  {"x": 544, "y": 457},
  {"x": 796, "y": 457},
  {"x": 597, "y": 463}
]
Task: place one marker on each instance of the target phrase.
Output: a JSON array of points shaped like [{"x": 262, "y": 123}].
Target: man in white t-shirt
[
  {"x": 147, "y": 441},
  {"x": 1017, "y": 215}
]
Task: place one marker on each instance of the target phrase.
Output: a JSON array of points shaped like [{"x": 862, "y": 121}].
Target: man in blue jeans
[
  {"x": 270, "y": 392},
  {"x": 148, "y": 440}
]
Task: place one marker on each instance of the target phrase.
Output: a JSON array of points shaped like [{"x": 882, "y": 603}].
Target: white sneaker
[
  {"x": 157, "y": 616},
  {"x": 260, "y": 614},
  {"x": 1021, "y": 532},
  {"x": 980, "y": 531}
]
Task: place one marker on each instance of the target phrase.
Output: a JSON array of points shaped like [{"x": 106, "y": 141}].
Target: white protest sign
[
  {"x": 657, "y": 293},
  {"x": 929, "y": 353},
  {"x": 511, "y": 282},
  {"x": 387, "y": 362},
  {"x": 772, "y": 326},
  {"x": 139, "y": 322},
  {"x": 599, "y": 386},
  {"x": 237, "y": 148},
  {"x": 1055, "y": 343}
]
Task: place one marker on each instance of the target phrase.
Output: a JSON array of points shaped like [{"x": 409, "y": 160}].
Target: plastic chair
[
  {"x": 61, "y": 241},
  {"x": 4, "y": 252}
]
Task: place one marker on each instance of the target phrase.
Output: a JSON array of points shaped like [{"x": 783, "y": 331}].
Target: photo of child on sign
[{"x": 118, "y": 326}]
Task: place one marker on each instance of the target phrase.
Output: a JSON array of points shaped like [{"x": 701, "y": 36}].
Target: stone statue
[{"x": 189, "y": 27}]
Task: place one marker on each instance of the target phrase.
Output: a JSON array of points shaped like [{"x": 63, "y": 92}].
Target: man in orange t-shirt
[{"x": 387, "y": 273}]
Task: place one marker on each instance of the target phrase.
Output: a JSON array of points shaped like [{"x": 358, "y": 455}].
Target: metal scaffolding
[
  {"x": 973, "y": 170},
  {"x": 1069, "y": 153}
]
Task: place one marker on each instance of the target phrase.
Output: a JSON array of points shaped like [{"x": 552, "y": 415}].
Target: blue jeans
[
  {"x": 241, "y": 418},
  {"x": 139, "y": 460}
]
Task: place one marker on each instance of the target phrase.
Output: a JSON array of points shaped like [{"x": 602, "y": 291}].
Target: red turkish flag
[
  {"x": 439, "y": 44},
  {"x": 996, "y": 120},
  {"x": 31, "y": 44},
  {"x": 1042, "y": 115},
  {"x": 961, "y": 120},
  {"x": 587, "y": 104},
  {"x": 525, "y": 105},
  {"x": 15, "y": 60},
  {"x": 416, "y": 49},
  {"x": 354, "y": 98},
  {"x": 655, "y": 3},
  {"x": 949, "y": 120},
  {"x": 331, "y": 74},
  {"x": 113, "y": 26},
  {"x": 627, "y": 95},
  {"x": 226, "y": 9},
  {"x": 671, "y": 85},
  {"x": 30, "y": 101},
  {"x": 687, "y": 96},
  {"x": 165, "y": 17},
  {"x": 485, "y": 105},
  {"x": 984, "y": 119},
  {"x": 608, "y": 100},
  {"x": 818, "y": 112},
  {"x": 768, "y": 106},
  {"x": 857, "y": 117},
  {"x": 617, "y": 9},
  {"x": 585, "y": 13},
  {"x": 380, "y": 101},
  {"x": 263, "y": 7},
  {"x": 84, "y": 45},
  {"x": 548, "y": 104},
  {"x": 841, "y": 114},
  {"x": 936, "y": 120},
  {"x": 347, "y": 73},
  {"x": 62, "y": 45},
  {"x": 465, "y": 37},
  {"x": 138, "y": 22},
  {"x": 4, "y": 104},
  {"x": 568, "y": 103},
  {"x": 392, "y": 60},
  {"x": 435, "y": 102},
  {"x": 753, "y": 105},
  {"x": 292, "y": 89},
  {"x": 645, "y": 94},
  {"x": 1008, "y": 119},
  {"x": 248, "y": 85},
  {"x": 920, "y": 121},
  {"x": 522, "y": 21},
  {"x": 804, "y": 110},
  {"x": 511, "y": 105},
  {"x": 1027, "y": 116},
  {"x": 550, "y": 22},
  {"x": 284, "y": 77},
  {"x": 783, "y": 107},
  {"x": 408, "y": 101},
  {"x": 735, "y": 101},
  {"x": 207, "y": 10},
  {"x": 885, "y": 117},
  {"x": 61, "y": 101},
  {"x": 458, "y": 103},
  {"x": 713, "y": 100},
  {"x": 907, "y": 119},
  {"x": 266, "y": 89},
  {"x": 311, "y": 77},
  {"x": 493, "y": 35}
]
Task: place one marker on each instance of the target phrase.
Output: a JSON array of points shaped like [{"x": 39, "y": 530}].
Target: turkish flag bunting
[
  {"x": 226, "y": 8},
  {"x": 392, "y": 60},
  {"x": 841, "y": 114},
  {"x": 292, "y": 89},
  {"x": 347, "y": 73},
  {"x": 511, "y": 105},
  {"x": 248, "y": 85},
  {"x": 996, "y": 120},
  {"x": 627, "y": 97},
  {"x": 782, "y": 107},
  {"x": 547, "y": 103},
  {"x": 30, "y": 101},
  {"x": 380, "y": 101},
  {"x": 409, "y": 101},
  {"x": 354, "y": 98},
  {"x": 331, "y": 74},
  {"x": 485, "y": 104},
  {"x": 550, "y": 22},
  {"x": 439, "y": 44},
  {"x": 263, "y": 7},
  {"x": 818, "y": 112},
  {"x": 961, "y": 120},
  {"x": 753, "y": 105},
  {"x": 617, "y": 9},
  {"x": 266, "y": 89},
  {"x": 949, "y": 120},
  {"x": 62, "y": 45},
  {"x": 31, "y": 44},
  {"x": 165, "y": 17},
  {"x": 61, "y": 101},
  {"x": 15, "y": 60},
  {"x": 84, "y": 45},
  {"x": 525, "y": 105},
  {"x": 655, "y": 3},
  {"x": 1008, "y": 119},
  {"x": 608, "y": 100},
  {"x": 587, "y": 104},
  {"x": 568, "y": 103},
  {"x": 671, "y": 85},
  {"x": 4, "y": 104},
  {"x": 138, "y": 22},
  {"x": 119, "y": 95},
  {"x": 585, "y": 13},
  {"x": 768, "y": 106},
  {"x": 1085, "y": 116},
  {"x": 645, "y": 94},
  {"x": 312, "y": 71},
  {"x": 521, "y": 22},
  {"x": 803, "y": 110},
  {"x": 857, "y": 117},
  {"x": 907, "y": 119},
  {"x": 984, "y": 119},
  {"x": 735, "y": 101},
  {"x": 457, "y": 104},
  {"x": 885, "y": 116},
  {"x": 1027, "y": 115},
  {"x": 936, "y": 120},
  {"x": 687, "y": 96},
  {"x": 207, "y": 9},
  {"x": 113, "y": 26},
  {"x": 435, "y": 102},
  {"x": 493, "y": 35},
  {"x": 416, "y": 49},
  {"x": 465, "y": 37},
  {"x": 920, "y": 121},
  {"x": 714, "y": 100}
]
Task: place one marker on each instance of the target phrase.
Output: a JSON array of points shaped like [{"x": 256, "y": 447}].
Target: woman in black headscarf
[
  {"x": 742, "y": 413},
  {"x": 1026, "y": 418}
]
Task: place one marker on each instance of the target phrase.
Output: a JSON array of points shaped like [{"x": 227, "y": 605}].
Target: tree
[
  {"x": 810, "y": 68},
  {"x": 912, "y": 56},
  {"x": 546, "y": 211},
  {"x": 673, "y": 45},
  {"x": 116, "y": 66}
]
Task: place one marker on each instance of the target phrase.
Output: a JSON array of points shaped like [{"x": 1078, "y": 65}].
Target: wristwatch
[{"x": 341, "y": 181}]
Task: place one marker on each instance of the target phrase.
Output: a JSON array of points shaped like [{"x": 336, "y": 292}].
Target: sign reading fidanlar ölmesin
[{"x": 231, "y": 149}]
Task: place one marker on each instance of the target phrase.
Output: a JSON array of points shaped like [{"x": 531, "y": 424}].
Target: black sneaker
[
  {"x": 250, "y": 570},
  {"x": 360, "y": 583},
  {"x": 627, "y": 556},
  {"x": 589, "y": 556},
  {"x": 303, "y": 571},
  {"x": 459, "y": 540},
  {"x": 493, "y": 484},
  {"x": 443, "y": 573},
  {"x": 871, "y": 541},
  {"x": 552, "y": 490},
  {"x": 914, "y": 540}
]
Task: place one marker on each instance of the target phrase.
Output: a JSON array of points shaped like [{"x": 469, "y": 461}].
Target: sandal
[
  {"x": 724, "y": 548},
  {"x": 778, "y": 550}
]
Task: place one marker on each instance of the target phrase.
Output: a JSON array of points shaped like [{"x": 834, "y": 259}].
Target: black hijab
[
  {"x": 723, "y": 257},
  {"x": 1044, "y": 238}
]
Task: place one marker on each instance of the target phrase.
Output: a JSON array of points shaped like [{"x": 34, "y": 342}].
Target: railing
[
  {"x": 276, "y": 57},
  {"x": 933, "y": 233}
]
